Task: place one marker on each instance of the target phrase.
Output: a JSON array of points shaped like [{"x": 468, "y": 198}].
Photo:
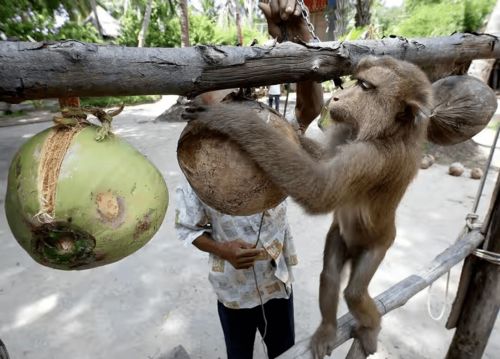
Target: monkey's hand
[
  {"x": 323, "y": 340},
  {"x": 240, "y": 254},
  {"x": 285, "y": 21}
]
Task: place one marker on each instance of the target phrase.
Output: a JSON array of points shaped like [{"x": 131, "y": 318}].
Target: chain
[{"x": 305, "y": 15}]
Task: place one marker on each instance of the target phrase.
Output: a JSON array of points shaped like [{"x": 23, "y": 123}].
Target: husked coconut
[
  {"x": 223, "y": 175},
  {"x": 456, "y": 169},
  {"x": 476, "y": 173}
]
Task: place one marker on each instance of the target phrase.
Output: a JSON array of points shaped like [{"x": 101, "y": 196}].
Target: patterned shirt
[{"x": 236, "y": 288}]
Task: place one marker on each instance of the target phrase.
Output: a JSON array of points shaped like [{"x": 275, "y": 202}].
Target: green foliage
[
  {"x": 354, "y": 34},
  {"x": 71, "y": 30},
  {"x": 433, "y": 17},
  {"x": 117, "y": 100},
  {"x": 475, "y": 11},
  {"x": 166, "y": 31},
  {"x": 432, "y": 20}
]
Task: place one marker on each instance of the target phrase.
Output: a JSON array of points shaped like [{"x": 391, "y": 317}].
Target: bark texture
[
  {"x": 76, "y": 69},
  {"x": 183, "y": 8}
]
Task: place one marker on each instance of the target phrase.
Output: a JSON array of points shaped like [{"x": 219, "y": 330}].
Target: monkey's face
[{"x": 383, "y": 98}]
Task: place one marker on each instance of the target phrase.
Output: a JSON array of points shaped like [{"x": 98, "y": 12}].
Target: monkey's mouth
[{"x": 341, "y": 115}]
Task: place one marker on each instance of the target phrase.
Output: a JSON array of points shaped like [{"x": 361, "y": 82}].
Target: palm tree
[
  {"x": 231, "y": 12},
  {"x": 342, "y": 16},
  {"x": 141, "y": 39},
  {"x": 183, "y": 8},
  {"x": 93, "y": 5},
  {"x": 363, "y": 16}
]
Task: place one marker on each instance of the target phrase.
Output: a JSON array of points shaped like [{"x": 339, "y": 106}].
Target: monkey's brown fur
[{"x": 361, "y": 175}]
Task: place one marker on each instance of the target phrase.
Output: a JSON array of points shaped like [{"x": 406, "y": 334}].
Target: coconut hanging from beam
[
  {"x": 463, "y": 106},
  {"x": 222, "y": 174},
  {"x": 80, "y": 197}
]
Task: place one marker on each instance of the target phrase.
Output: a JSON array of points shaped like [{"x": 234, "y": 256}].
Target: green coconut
[{"x": 75, "y": 203}]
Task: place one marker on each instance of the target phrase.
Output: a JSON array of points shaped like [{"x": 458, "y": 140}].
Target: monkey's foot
[
  {"x": 368, "y": 338},
  {"x": 323, "y": 340}
]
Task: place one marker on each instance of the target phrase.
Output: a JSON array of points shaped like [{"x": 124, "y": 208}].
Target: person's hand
[
  {"x": 240, "y": 254},
  {"x": 285, "y": 21}
]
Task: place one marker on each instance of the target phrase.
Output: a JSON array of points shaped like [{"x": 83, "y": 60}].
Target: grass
[
  {"x": 111, "y": 101},
  {"x": 14, "y": 114}
]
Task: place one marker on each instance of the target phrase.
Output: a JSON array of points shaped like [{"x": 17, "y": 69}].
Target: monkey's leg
[
  {"x": 358, "y": 300},
  {"x": 335, "y": 256}
]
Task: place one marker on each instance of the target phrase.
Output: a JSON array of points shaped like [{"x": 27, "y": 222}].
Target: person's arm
[
  {"x": 190, "y": 224},
  {"x": 309, "y": 103},
  {"x": 240, "y": 254},
  {"x": 287, "y": 16}
]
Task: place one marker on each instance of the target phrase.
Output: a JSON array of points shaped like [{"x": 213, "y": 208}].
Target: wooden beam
[
  {"x": 481, "y": 302},
  {"x": 400, "y": 293},
  {"x": 76, "y": 69}
]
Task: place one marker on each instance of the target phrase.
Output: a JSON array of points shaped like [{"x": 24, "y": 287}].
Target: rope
[
  {"x": 471, "y": 222},
  {"x": 443, "y": 309},
  {"x": 73, "y": 116},
  {"x": 258, "y": 291}
]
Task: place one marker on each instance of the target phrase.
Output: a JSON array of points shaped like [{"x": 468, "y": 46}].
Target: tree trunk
[
  {"x": 183, "y": 7},
  {"x": 93, "y": 5},
  {"x": 75, "y": 69},
  {"x": 250, "y": 6},
  {"x": 238, "y": 27},
  {"x": 363, "y": 16},
  {"x": 341, "y": 17},
  {"x": 141, "y": 39}
]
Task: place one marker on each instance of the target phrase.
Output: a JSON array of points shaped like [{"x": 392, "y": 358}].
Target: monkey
[{"x": 360, "y": 175}]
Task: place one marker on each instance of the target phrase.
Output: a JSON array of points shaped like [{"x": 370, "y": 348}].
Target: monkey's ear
[{"x": 414, "y": 111}]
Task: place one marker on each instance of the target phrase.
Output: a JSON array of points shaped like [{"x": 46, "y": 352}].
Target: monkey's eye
[{"x": 365, "y": 85}]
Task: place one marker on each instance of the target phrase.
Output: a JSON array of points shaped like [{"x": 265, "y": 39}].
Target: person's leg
[
  {"x": 239, "y": 326},
  {"x": 270, "y": 100},
  {"x": 277, "y": 102},
  {"x": 280, "y": 333}
]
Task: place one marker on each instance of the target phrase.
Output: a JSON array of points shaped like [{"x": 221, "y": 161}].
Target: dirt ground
[{"x": 158, "y": 298}]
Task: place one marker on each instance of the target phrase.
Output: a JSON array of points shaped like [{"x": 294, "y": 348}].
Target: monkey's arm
[
  {"x": 314, "y": 148},
  {"x": 339, "y": 134},
  {"x": 318, "y": 186}
]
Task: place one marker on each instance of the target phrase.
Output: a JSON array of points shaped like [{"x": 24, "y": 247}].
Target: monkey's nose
[{"x": 335, "y": 98}]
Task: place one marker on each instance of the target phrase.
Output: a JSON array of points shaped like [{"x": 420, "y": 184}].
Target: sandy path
[{"x": 146, "y": 304}]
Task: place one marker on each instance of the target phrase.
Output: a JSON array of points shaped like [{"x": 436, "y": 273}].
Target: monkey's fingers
[
  {"x": 195, "y": 108},
  {"x": 191, "y": 112}
]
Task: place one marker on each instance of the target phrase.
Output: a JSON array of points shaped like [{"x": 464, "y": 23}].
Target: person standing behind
[
  {"x": 274, "y": 93},
  {"x": 249, "y": 269}
]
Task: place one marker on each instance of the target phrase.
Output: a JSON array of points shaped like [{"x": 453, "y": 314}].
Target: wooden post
[{"x": 482, "y": 299}]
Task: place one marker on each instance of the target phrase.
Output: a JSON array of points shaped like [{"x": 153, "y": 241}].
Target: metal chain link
[{"x": 305, "y": 16}]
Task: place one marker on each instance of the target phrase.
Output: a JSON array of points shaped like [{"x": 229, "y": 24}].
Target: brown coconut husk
[
  {"x": 463, "y": 106},
  {"x": 222, "y": 174}
]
